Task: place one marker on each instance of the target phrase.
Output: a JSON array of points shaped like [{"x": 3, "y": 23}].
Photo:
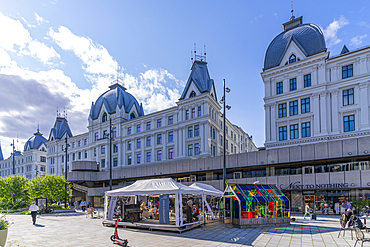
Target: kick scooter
[{"x": 117, "y": 240}]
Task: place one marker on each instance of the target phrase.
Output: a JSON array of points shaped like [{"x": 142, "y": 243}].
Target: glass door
[{"x": 308, "y": 170}]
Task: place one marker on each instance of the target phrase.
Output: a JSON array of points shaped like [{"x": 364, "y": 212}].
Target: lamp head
[
  {"x": 228, "y": 107},
  {"x": 228, "y": 90}
]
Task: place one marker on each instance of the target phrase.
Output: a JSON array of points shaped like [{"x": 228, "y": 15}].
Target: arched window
[
  {"x": 192, "y": 94},
  {"x": 105, "y": 117},
  {"x": 292, "y": 59},
  {"x": 132, "y": 116}
]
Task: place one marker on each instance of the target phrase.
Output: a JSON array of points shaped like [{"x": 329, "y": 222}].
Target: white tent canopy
[
  {"x": 208, "y": 190},
  {"x": 163, "y": 186}
]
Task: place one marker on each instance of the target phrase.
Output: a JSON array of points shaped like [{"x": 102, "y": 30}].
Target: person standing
[
  {"x": 307, "y": 211},
  {"x": 34, "y": 208},
  {"x": 83, "y": 205},
  {"x": 349, "y": 206},
  {"x": 89, "y": 204},
  {"x": 189, "y": 210}
]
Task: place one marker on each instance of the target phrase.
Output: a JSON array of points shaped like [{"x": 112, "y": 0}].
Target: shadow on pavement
[{"x": 38, "y": 225}]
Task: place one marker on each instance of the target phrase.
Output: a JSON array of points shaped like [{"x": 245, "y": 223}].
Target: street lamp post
[
  {"x": 223, "y": 101},
  {"x": 65, "y": 171},
  {"x": 13, "y": 157},
  {"x": 110, "y": 153}
]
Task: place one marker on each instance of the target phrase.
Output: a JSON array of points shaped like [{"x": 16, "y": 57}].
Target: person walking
[
  {"x": 83, "y": 205},
  {"x": 76, "y": 205},
  {"x": 307, "y": 211},
  {"x": 34, "y": 208}
]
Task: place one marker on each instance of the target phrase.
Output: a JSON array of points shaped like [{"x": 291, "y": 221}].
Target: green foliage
[
  {"x": 26, "y": 212},
  {"x": 14, "y": 205},
  {"x": 9, "y": 211},
  {"x": 14, "y": 187},
  {"x": 4, "y": 223},
  {"x": 361, "y": 203},
  {"x": 51, "y": 187}
]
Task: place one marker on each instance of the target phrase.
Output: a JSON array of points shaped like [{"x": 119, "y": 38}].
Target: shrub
[
  {"x": 26, "y": 212},
  {"x": 13, "y": 205}
]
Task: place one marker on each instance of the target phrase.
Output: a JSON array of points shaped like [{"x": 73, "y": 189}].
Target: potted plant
[{"x": 4, "y": 225}]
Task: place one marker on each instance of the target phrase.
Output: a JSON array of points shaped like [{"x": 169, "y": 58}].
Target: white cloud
[
  {"x": 358, "y": 39},
  {"x": 331, "y": 31},
  {"x": 364, "y": 24},
  {"x": 28, "y": 24},
  {"x": 95, "y": 57},
  {"x": 16, "y": 39},
  {"x": 39, "y": 19}
]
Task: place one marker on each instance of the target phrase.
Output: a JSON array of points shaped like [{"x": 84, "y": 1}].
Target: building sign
[
  {"x": 298, "y": 186},
  {"x": 164, "y": 207}
]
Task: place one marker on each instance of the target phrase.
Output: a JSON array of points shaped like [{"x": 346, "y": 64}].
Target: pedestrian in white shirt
[{"x": 34, "y": 208}]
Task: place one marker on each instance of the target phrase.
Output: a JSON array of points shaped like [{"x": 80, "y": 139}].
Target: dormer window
[
  {"x": 132, "y": 115},
  {"x": 192, "y": 94},
  {"x": 292, "y": 59},
  {"x": 105, "y": 117}
]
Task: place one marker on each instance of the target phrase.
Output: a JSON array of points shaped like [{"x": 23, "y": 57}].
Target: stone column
[
  {"x": 314, "y": 76},
  {"x": 316, "y": 113},
  {"x": 268, "y": 121},
  {"x": 364, "y": 105},
  {"x": 273, "y": 121},
  {"x": 335, "y": 111},
  {"x": 300, "y": 80},
  {"x": 286, "y": 86},
  {"x": 323, "y": 112},
  {"x": 321, "y": 74},
  {"x": 334, "y": 73}
]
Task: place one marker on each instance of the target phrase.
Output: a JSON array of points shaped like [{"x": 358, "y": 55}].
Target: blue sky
[{"x": 65, "y": 54}]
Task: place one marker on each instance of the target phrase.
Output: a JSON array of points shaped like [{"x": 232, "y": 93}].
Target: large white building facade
[
  {"x": 311, "y": 97},
  {"x": 31, "y": 162},
  {"x": 191, "y": 129}
]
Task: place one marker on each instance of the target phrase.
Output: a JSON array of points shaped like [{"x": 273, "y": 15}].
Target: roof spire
[
  {"x": 38, "y": 127},
  {"x": 291, "y": 5},
  {"x": 199, "y": 58}
]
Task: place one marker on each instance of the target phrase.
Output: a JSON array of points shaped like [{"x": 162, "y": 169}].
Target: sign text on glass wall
[{"x": 298, "y": 186}]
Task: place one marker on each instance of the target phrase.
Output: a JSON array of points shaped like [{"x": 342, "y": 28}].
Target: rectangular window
[
  {"x": 85, "y": 154},
  {"x": 193, "y": 113},
  {"x": 190, "y": 131},
  {"x": 42, "y": 159},
  {"x": 196, "y": 130},
  {"x": 187, "y": 115},
  {"x": 96, "y": 137},
  {"x": 138, "y": 128},
  {"x": 282, "y": 133},
  {"x": 148, "y": 141},
  {"x": 305, "y": 105},
  {"x": 102, "y": 163},
  {"x": 221, "y": 140},
  {"x": 138, "y": 158},
  {"x": 282, "y": 110},
  {"x": 104, "y": 136},
  {"x": 227, "y": 144},
  {"x": 190, "y": 150},
  {"x": 213, "y": 133},
  {"x": 94, "y": 152},
  {"x": 115, "y": 162},
  {"x": 231, "y": 134},
  {"x": 306, "y": 129},
  {"x": 148, "y": 157},
  {"x": 294, "y": 131},
  {"x": 159, "y": 139},
  {"x": 293, "y": 108},
  {"x": 170, "y": 120},
  {"x": 74, "y": 156},
  {"x": 159, "y": 155},
  {"x": 129, "y": 145},
  {"x": 73, "y": 144},
  {"x": 129, "y": 160},
  {"x": 279, "y": 87},
  {"x": 199, "y": 111},
  {"x": 307, "y": 80},
  {"x": 170, "y": 136},
  {"x": 114, "y": 134},
  {"x": 170, "y": 153},
  {"x": 293, "y": 84},
  {"x": 148, "y": 125},
  {"x": 348, "y": 97},
  {"x": 85, "y": 142},
  {"x": 129, "y": 131},
  {"x": 103, "y": 149},
  {"x": 196, "y": 149},
  {"x": 347, "y": 71},
  {"x": 115, "y": 148},
  {"x": 138, "y": 143},
  {"x": 79, "y": 143},
  {"x": 232, "y": 147},
  {"x": 159, "y": 123},
  {"x": 349, "y": 123}
]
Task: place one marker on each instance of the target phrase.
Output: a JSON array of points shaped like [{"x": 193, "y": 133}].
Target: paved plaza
[{"x": 74, "y": 229}]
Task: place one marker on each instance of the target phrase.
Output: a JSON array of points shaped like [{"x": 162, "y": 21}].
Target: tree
[
  {"x": 14, "y": 187},
  {"x": 51, "y": 187}
]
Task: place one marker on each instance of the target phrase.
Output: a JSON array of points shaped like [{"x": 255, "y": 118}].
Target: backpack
[{"x": 357, "y": 222}]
